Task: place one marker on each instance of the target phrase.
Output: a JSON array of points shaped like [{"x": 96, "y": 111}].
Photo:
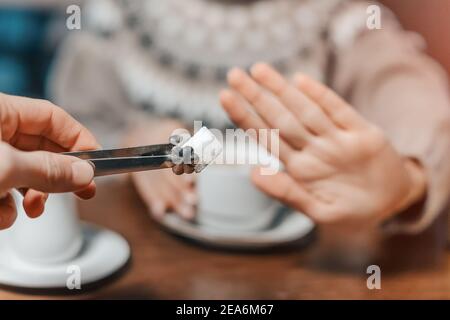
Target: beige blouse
[{"x": 146, "y": 59}]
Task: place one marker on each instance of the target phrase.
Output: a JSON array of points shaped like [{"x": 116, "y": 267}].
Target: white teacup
[
  {"x": 228, "y": 200},
  {"x": 52, "y": 238}
]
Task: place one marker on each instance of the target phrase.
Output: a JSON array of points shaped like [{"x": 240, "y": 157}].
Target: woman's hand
[
  {"x": 162, "y": 190},
  {"x": 27, "y": 125},
  {"x": 338, "y": 166}
]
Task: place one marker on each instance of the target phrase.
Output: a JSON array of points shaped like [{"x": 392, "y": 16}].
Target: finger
[
  {"x": 239, "y": 111},
  {"x": 188, "y": 169},
  {"x": 8, "y": 213},
  {"x": 34, "y": 203},
  {"x": 180, "y": 196},
  {"x": 339, "y": 111},
  {"x": 149, "y": 194},
  {"x": 87, "y": 193},
  {"x": 158, "y": 203},
  {"x": 269, "y": 108},
  {"x": 285, "y": 189},
  {"x": 190, "y": 180},
  {"x": 178, "y": 169},
  {"x": 175, "y": 201},
  {"x": 190, "y": 197},
  {"x": 304, "y": 109},
  {"x": 27, "y": 142},
  {"x": 184, "y": 209},
  {"x": 185, "y": 188},
  {"x": 42, "y": 118},
  {"x": 167, "y": 196},
  {"x": 43, "y": 171}
]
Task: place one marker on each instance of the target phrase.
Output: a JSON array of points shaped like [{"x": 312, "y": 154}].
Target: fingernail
[
  {"x": 190, "y": 198},
  {"x": 157, "y": 209},
  {"x": 44, "y": 200},
  {"x": 187, "y": 212},
  {"x": 82, "y": 173}
]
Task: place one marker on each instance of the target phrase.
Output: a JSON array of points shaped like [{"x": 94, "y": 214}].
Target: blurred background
[
  {"x": 25, "y": 54},
  {"x": 30, "y": 31}
]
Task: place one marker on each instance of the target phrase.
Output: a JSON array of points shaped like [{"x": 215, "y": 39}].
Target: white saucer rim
[
  {"x": 176, "y": 225},
  {"x": 120, "y": 246},
  {"x": 274, "y": 208}
]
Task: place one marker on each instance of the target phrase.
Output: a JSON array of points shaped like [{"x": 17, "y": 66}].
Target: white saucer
[
  {"x": 103, "y": 253},
  {"x": 288, "y": 227}
]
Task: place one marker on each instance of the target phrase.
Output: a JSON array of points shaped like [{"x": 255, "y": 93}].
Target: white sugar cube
[{"x": 206, "y": 147}]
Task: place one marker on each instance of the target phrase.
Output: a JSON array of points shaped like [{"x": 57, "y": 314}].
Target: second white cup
[{"x": 228, "y": 200}]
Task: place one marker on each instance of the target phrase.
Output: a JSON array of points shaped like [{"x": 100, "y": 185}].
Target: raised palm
[{"x": 338, "y": 166}]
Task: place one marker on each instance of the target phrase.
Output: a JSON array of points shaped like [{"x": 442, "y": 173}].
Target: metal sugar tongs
[{"x": 151, "y": 157}]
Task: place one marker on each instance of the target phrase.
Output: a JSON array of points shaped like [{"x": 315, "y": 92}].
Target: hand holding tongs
[{"x": 115, "y": 161}]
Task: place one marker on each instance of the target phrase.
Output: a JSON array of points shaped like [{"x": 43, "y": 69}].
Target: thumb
[{"x": 44, "y": 171}]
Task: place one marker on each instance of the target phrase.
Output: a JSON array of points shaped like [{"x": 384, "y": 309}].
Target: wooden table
[{"x": 333, "y": 265}]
